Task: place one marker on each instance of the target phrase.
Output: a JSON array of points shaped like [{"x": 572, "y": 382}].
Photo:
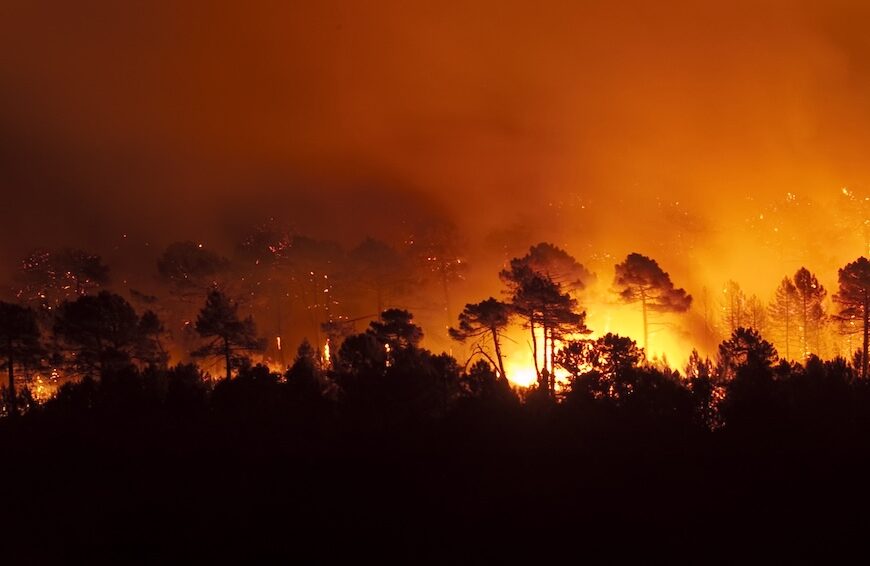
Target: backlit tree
[
  {"x": 227, "y": 334},
  {"x": 639, "y": 279},
  {"x": 853, "y": 297}
]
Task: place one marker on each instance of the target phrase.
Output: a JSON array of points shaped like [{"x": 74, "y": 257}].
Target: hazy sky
[{"x": 601, "y": 126}]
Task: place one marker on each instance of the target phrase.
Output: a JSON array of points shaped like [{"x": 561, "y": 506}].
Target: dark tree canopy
[
  {"x": 227, "y": 334},
  {"x": 810, "y": 301},
  {"x": 103, "y": 332},
  {"x": 20, "y": 344},
  {"x": 853, "y": 296},
  {"x": 484, "y": 320},
  {"x": 746, "y": 348},
  {"x": 550, "y": 262},
  {"x": 396, "y": 328}
]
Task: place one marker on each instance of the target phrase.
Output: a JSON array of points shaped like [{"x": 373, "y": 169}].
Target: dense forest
[{"x": 154, "y": 427}]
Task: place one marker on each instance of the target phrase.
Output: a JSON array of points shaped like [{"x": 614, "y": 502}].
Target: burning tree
[
  {"x": 853, "y": 296},
  {"x": 48, "y": 277},
  {"x": 639, "y": 279},
  {"x": 486, "y": 319},
  {"x": 190, "y": 269},
  {"x": 219, "y": 322},
  {"x": 19, "y": 342}
]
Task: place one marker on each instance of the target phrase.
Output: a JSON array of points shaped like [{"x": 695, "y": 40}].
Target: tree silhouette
[
  {"x": 746, "y": 348},
  {"x": 539, "y": 285},
  {"x": 784, "y": 314},
  {"x": 853, "y": 296},
  {"x": 639, "y": 279},
  {"x": 550, "y": 262},
  {"x": 19, "y": 342},
  {"x": 396, "y": 329},
  {"x": 219, "y": 322},
  {"x": 540, "y": 302},
  {"x": 150, "y": 350},
  {"x": 486, "y": 319},
  {"x": 810, "y": 295},
  {"x": 303, "y": 377},
  {"x": 606, "y": 357},
  {"x": 100, "y": 332}
]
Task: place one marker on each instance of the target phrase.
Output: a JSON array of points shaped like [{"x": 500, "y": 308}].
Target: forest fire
[{"x": 397, "y": 277}]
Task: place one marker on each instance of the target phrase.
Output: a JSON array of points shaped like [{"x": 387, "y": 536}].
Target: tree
[
  {"x": 150, "y": 350},
  {"x": 607, "y": 356},
  {"x": 640, "y": 279},
  {"x": 733, "y": 306},
  {"x": 539, "y": 284},
  {"x": 783, "y": 313},
  {"x": 303, "y": 377},
  {"x": 396, "y": 329},
  {"x": 20, "y": 343},
  {"x": 190, "y": 269},
  {"x": 487, "y": 319},
  {"x": 853, "y": 296},
  {"x": 810, "y": 295},
  {"x": 219, "y": 322},
  {"x": 745, "y": 349},
  {"x": 542, "y": 304},
  {"x": 553, "y": 263},
  {"x": 48, "y": 277},
  {"x": 756, "y": 314},
  {"x": 101, "y": 332},
  {"x": 707, "y": 393}
]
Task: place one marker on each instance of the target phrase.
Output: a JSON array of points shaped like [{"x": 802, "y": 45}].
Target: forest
[{"x": 144, "y": 425}]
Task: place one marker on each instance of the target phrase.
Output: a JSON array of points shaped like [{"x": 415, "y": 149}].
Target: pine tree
[
  {"x": 639, "y": 279},
  {"x": 853, "y": 296},
  {"x": 219, "y": 322},
  {"x": 19, "y": 343},
  {"x": 486, "y": 319},
  {"x": 810, "y": 297},
  {"x": 783, "y": 314}
]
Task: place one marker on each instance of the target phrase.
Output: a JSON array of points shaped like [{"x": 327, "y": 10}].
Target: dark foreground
[{"x": 139, "y": 483}]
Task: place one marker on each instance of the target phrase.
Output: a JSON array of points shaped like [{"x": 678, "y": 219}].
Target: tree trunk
[
  {"x": 228, "y": 358},
  {"x": 787, "y": 324},
  {"x": 804, "y": 333},
  {"x": 13, "y": 405},
  {"x": 535, "y": 348},
  {"x": 645, "y": 327},
  {"x": 866, "y": 335},
  {"x": 498, "y": 353}
]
